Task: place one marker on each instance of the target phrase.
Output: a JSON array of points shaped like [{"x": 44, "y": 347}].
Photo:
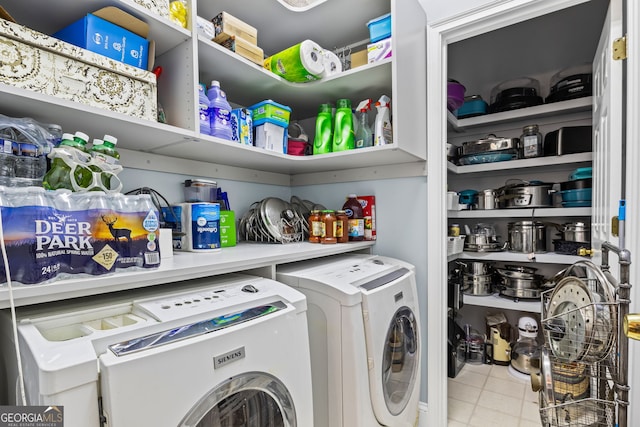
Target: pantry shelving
[
  {"x": 495, "y": 301},
  {"x": 517, "y": 257},
  {"x": 548, "y": 162},
  {"x": 529, "y": 113},
  {"x": 522, "y": 213}
]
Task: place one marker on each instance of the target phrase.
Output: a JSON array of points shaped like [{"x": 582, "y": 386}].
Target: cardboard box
[
  {"x": 379, "y": 50},
  {"x": 359, "y": 58},
  {"x": 368, "y": 204},
  {"x": 113, "y": 33},
  {"x": 53, "y": 67},
  {"x": 227, "y": 26},
  {"x": 242, "y": 126},
  {"x": 159, "y": 7},
  {"x": 271, "y": 136},
  {"x": 227, "y": 229},
  {"x": 269, "y": 110},
  {"x": 245, "y": 49}
]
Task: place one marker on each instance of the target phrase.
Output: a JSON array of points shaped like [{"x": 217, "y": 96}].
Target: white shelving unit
[
  {"x": 259, "y": 258},
  {"x": 187, "y": 59}
]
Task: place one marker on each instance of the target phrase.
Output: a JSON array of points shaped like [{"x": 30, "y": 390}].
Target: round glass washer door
[
  {"x": 400, "y": 361},
  {"x": 253, "y": 399}
]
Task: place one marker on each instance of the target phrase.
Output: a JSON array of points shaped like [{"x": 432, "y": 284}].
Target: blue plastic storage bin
[{"x": 380, "y": 28}]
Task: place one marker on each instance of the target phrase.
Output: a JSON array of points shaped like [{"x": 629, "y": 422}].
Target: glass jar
[
  {"x": 531, "y": 142},
  {"x": 329, "y": 219},
  {"x": 341, "y": 232},
  {"x": 316, "y": 227}
]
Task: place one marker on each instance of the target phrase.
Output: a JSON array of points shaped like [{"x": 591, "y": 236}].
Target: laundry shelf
[{"x": 182, "y": 266}]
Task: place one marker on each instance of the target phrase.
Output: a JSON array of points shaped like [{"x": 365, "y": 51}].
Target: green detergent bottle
[
  {"x": 323, "y": 141},
  {"x": 343, "y": 134},
  {"x": 71, "y": 153}
]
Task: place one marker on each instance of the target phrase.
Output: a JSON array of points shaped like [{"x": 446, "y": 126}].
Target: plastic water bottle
[
  {"x": 220, "y": 112},
  {"x": 31, "y": 165},
  {"x": 105, "y": 156},
  {"x": 364, "y": 134},
  {"x": 323, "y": 140},
  {"x": 72, "y": 152},
  {"x": 343, "y": 135},
  {"x": 204, "y": 110},
  {"x": 8, "y": 152}
]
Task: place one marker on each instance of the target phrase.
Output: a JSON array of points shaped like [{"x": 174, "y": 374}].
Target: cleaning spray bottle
[
  {"x": 382, "y": 129},
  {"x": 364, "y": 134}
]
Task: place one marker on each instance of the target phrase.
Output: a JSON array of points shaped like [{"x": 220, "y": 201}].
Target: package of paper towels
[
  {"x": 300, "y": 63},
  {"x": 332, "y": 64}
]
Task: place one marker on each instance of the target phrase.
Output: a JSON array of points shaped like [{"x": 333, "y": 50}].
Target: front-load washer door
[
  {"x": 253, "y": 399},
  {"x": 393, "y": 347}
]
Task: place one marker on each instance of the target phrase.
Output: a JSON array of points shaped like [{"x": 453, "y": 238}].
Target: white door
[{"x": 607, "y": 132}]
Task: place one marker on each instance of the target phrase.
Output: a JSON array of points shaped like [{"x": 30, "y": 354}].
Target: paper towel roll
[
  {"x": 332, "y": 63},
  {"x": 300, "y": 63}
]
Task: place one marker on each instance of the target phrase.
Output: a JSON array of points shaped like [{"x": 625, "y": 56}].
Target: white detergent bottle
[{"x": 382, "y": 128}]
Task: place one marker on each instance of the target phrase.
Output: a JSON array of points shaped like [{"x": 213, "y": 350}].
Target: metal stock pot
[
  {"x": 527, "y": 236},
  {"x": 526, "y": 194}
]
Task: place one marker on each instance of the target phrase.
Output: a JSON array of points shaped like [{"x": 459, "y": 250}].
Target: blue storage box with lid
[
  {"x": 380, "y": 28},
  {"x": 270, "y": 111}
]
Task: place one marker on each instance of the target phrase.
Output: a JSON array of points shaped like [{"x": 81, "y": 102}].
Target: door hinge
[{"x": 620, "y": 48}]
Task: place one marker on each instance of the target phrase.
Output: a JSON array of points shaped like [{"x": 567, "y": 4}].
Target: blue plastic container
[
  {"x": 581, "y": 173},
  {"x": 576, "y": 198},
  {"x": 270, "y": 111},
  {"x": 380, "y": 28}
]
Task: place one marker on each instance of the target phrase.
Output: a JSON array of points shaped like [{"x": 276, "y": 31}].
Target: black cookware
[{"x": 568, "y": 140}]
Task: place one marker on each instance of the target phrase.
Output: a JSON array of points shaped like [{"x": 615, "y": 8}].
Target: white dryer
[
  {"x": 364, "y": 331},
  {"x": 231, "y": 350}
]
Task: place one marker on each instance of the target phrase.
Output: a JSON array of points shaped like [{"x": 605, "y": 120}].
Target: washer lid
[{"x": 345, "y": 277}]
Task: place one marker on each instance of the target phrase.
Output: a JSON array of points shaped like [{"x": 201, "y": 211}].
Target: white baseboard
[{"x": 422, "y": 411}]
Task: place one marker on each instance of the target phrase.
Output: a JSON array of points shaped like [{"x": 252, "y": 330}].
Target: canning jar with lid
[
  {"x": 531, "y": 141},
  {"x": 329, "y": 218},
  {"x": 316, "y": 227},
  {"x": 341, "y": 232}
]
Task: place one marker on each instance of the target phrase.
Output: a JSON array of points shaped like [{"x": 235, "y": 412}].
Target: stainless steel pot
[
  {"x": 534, "y": 282},
  {"x": 479, "y": 285},
  {"x": 488, "y": 199},
  {"x": 576, "y": 232},
  {"x": 527, "y": 236},
  {"x": 475, "y": 268},
  {"x": 480, "y": 240},
  {"x": 526, "y": 194}
]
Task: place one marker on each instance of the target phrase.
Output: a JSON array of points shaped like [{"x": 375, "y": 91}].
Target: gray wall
[{"x": 401, "y": 209}]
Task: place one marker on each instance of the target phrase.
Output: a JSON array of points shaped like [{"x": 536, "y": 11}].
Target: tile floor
[{"x": 489, "y": 396}]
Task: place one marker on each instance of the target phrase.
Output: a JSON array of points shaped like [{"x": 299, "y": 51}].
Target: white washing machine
[
  {"x": 225, "y": 351},
  {"x": 364, "y": 331}
]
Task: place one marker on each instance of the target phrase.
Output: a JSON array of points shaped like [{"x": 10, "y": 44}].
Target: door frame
[{"x": 466, "y": 25}]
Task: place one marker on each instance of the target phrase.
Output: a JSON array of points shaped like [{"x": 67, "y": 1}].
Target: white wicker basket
[{"x": 455, "y": 244}]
